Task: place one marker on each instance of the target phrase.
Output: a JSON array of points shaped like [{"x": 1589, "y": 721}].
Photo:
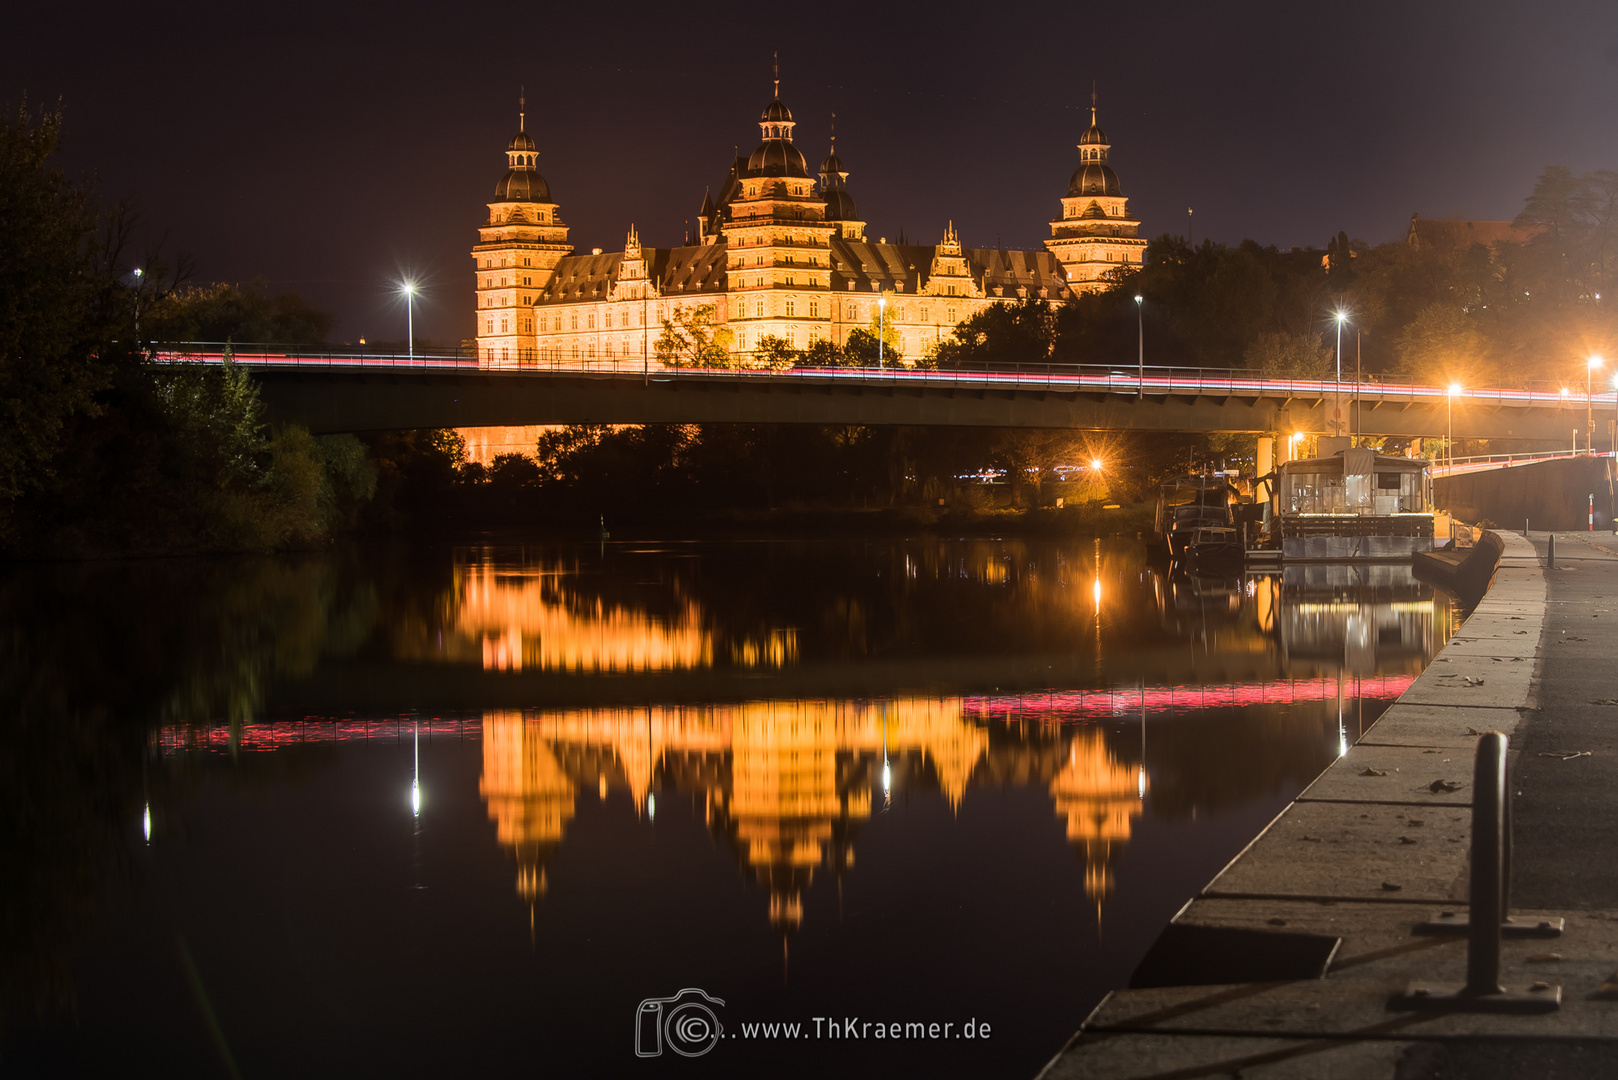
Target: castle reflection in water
[{"x": 788, "y": 783}]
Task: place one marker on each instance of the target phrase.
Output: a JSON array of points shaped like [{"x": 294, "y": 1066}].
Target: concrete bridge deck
[
  {"x": 1371, "y": 850},
  {"x": 335, "y": 392}
]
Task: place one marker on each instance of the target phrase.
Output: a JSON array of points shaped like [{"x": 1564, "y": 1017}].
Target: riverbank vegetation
[{"x": 103, "y": 451}]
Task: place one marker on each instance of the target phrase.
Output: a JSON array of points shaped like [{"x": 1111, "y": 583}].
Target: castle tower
[
  {"x": 840, "y": 206},
  {"x": 517, "y": 250},
  {"x": 778, "y": 265},
  {"x": 1095, "y": 239}
]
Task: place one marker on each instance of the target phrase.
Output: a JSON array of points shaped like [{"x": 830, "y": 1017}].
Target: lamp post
[
  {"x": 1449, "y": 442},
  {"x": 409, "y": 290},
  {"x": 1589, "y": 407},
  {"x": 1342, "y": 317},
  {"x": 1140, "y": 338},
  {"x": 881, "y": 326}
]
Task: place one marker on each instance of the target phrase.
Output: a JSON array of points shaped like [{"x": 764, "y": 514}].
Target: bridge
[{"x": 337, "y": 392}]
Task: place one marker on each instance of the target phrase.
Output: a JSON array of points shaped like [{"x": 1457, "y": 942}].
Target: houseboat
[
  {"x": 1197, "y": 519},
  {"x": 1356, "y": 504}
]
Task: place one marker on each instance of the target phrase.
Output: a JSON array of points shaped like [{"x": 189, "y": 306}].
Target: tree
[
  {"x": 860, "y": 349},
  {"x": 1276, "y": 354},
  {"x": 60, "y": 304},
  {"x": 689, "y": 339},
  {"x": 823, "y": 353},
  {"x": 1002, "y": 333},
  {"x": 774, "y": 353},
  {"x": 223, "y": 312},
  {"x": 1442, "y": 345}
]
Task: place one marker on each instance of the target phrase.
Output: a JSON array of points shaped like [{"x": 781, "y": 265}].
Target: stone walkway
[{"x": 1378, "y": 845}]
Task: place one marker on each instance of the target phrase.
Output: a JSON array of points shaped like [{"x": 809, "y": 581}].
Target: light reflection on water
[{"x": 844, "y": 714}]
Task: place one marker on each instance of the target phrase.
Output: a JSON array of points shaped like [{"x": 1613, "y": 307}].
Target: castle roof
[
  {"x": 873, "y": 267},
  {"x": 680, "y": 271}
]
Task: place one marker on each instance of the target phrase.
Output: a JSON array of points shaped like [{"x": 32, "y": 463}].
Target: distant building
[
  {"x": 1437, "y": 235},
  {"x": 776, "y": 253}
]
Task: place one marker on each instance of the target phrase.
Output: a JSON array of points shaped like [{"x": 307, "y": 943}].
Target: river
[{"x": 628, "y": 809}]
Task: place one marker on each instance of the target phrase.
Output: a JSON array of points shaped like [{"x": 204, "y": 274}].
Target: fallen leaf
[
  {"x": 1604, "y": 701},
  {"x": 1469, "y": 681},
  {"x": 1539, "y": 985},
  {"x": 1443, "y": 787},
  {"x": 1545, "y": 958},
  {"x": 1609, "y": 988},
  {"x": 1374, "y": 772}
]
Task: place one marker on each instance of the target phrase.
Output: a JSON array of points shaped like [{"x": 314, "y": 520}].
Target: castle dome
[
  {"x": 522, "y": 185},
  {"x": 522, "y": 142},
  {"x": 1094, "y": 178},
  {"x": 1093, "y": 135},
  {"x": 840, "y": 206},
  {"x": 776, "y": 112}
]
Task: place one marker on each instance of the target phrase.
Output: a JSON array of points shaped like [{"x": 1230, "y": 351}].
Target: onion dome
[
  {"x": 840, "y": 206},
  {"x": 833, "y": 184},
  {"x": 1094, "y": 176},
  {"x": 1093, "y": 179},
  {"x": 776, "y": 156},
  {"x": 522, "y": 185},
  {"x": 522, "y": 182}
]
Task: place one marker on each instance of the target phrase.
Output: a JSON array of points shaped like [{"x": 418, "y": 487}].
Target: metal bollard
[
  {"x": 1550, "y": 554},
  {"x": 1488, "y": 899}
]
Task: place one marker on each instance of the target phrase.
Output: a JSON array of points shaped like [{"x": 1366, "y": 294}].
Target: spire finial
[
  {"x": 777, "y": 58},
  {"x": 1092, "y": 102},
  {"x": 834, "y": 133},
  {"x": 522, "y": 107}
]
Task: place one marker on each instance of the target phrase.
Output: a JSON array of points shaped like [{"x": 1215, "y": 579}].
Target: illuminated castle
[{"x": 778, "y": 254}]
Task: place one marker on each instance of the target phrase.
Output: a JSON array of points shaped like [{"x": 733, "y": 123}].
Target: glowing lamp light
[
  {"x": 1140, "y": 782},
  {"x": 415, "y": 798},
  {"x": 1342, "y": 317},
  {"x": 1139, "y": 298},
  {"x": 651, "y": 807},
  {"x": 1595, "y": 362},
  {"x": 1095, "y": 463},
  {"x": 1454, "y": 389},
  {"x": 1564, "y": 391},
  {"x": 146, "y": 823},
  {"x": 887, "y": 778}
]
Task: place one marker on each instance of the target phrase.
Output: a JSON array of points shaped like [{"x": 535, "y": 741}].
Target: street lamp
[
  {"x": 881, "y": 326},
  {"x": 1342, "y": 317},
  {"x": 1589, "y": 410},
  {"x": 1140, "y": 337},
  {"x": 409, "y": 290},
  {"x": 1449, "y": 443}
]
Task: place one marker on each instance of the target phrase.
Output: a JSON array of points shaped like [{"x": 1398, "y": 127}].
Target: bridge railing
[
  {"x": 1157, "y": 381},
  {"x": 1485, "y": 462}
]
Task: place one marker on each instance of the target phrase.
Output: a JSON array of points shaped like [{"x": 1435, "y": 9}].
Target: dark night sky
[{"x": 328, "y": 148}]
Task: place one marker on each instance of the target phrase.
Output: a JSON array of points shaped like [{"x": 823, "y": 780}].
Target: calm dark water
[{"x": 411, "y": 811}]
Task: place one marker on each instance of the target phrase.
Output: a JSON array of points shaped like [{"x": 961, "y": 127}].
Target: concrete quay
[{"x": 1378, "y": 845}]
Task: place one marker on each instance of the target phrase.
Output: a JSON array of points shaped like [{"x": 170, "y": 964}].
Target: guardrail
[
  {"x": 1157, "y": 381},
  {"x": 1487, "y": 462}
]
